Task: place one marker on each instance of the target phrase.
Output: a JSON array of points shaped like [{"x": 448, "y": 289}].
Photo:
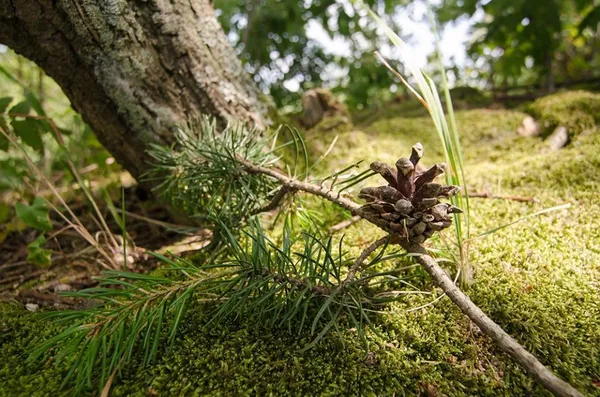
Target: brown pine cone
[{"x": 410, "y": 203}]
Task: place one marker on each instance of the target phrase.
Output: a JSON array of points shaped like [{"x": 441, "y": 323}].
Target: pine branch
[
  {"x": 358, "y": 264},
  {"x": 531, "y": 364},
  {"x": 201, "y": 176},
  {"x": 133, "y": 310},
  {"x": 227, "y": 175},
  {"x": 258, "y": 278}
]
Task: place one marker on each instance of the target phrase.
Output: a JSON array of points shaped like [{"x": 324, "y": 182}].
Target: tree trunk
[
  {"x": 550, "y": 87},
  {"x": 135, "y": 70}
]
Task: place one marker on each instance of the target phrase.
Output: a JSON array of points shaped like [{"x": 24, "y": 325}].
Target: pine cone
[{"x": 411, "y": 201}]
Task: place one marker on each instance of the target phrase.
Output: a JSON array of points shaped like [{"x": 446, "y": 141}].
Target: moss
[
  {"x": 538, "y": 279},
  {"x": 20, "y": 331},
  {"x": 579, "y": 111}
]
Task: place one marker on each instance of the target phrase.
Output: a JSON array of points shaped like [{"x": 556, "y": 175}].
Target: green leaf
[
  {"x": 35, "y": 215},
  {"x": 29, "y": 131},
  {"x": 4, "y": 212},
  {"x": 13, "y": 172},
  {"x": 4, "y": 143},
  {"x": 8, "y": 75},
  {"x": 37, "y": 255},
  {"x": 4, "y": 102},
  {"x": 34, "y": 102},
  {"x": 22, "y": 107}
]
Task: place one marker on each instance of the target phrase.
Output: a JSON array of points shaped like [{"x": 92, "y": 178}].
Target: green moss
[
  {"x": 20, "y": 331},
  {"x": 579, "y": 111},
  {"x": 538, "y": 279}
]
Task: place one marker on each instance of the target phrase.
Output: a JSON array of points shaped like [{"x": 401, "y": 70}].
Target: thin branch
[
  {"x": 342, "y": 225},
  {"x": 509, "y": 345},
  {"x": 274, "y": 203},
  {"x": 358, "y": 263},
  {"x": 522, "y": 199},
  {"x": 166, "y": 225},
  {"x": 320, "y": 191},
  {"x": 557, "y": 386}
]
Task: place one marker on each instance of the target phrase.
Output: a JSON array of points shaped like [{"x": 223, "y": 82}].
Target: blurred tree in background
[
  {"x": 275, "y": 40},
  {"x": 515, "y": 42},
  {"x": 531, "y": 41},
  {"x": 292, "y": 46}
]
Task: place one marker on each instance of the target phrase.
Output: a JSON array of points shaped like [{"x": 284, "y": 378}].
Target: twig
[
  {"x": 320, "y": 191},
  {"x": 523, "y": 199},
  {"x": 357, "y": 265},
  {"x": 509, "y": 345},
  {"x": 166, "y": 225},
  {"x": 274, "y": 203},
  {"x": 557, "y": 386},
  {"x": 72, "y": 255},
  {"x": 344, "y": 224}
]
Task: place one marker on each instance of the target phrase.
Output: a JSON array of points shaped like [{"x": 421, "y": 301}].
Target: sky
[{"x": 416, "y": 32}]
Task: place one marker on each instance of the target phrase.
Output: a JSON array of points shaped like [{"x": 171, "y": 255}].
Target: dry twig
[
  {"x": 344, "y": 224},
  {"x": 523, "y": 199},
  {"x": 509, "y": 345}
]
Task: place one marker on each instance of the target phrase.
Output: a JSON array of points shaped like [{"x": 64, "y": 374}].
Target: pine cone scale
[{"x": 410, "y": 203}]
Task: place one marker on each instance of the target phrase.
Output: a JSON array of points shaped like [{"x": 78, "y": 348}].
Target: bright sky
[{"x": 416, "y": 31}]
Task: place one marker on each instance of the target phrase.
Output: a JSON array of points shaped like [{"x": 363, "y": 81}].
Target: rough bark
[{"x": 134, "y": 69}]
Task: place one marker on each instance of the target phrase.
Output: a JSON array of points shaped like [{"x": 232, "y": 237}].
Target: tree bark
[{"x": 134, "y": 70}]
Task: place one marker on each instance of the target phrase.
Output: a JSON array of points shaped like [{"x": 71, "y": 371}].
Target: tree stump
[{"x": 319, "y": 103}]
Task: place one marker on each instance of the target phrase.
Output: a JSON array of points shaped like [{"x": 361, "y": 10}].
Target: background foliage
[{"x": 513, "y": 42}]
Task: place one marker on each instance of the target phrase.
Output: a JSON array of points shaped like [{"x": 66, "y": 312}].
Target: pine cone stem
[{"x": 509, "y": 345}]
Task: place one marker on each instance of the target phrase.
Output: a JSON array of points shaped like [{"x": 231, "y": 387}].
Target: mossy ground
[{"x": 539, "y": 279}]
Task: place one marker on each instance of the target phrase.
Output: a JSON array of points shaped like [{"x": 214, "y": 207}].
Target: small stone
[
  {"x": 62, "y": 288},
  {"x": 32, "y": 307},
  {"x": 558, "y": 139},
  {"x": 529, "y": 127},
  {"x": 319, "y": 103}
]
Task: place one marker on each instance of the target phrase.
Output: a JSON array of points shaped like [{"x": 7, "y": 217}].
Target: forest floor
[{"x": 539, "y": 279}]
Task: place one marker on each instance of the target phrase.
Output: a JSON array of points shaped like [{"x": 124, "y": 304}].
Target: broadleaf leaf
[
  {"x": 35, "y": 215},
  {"x": 37, "y": 254},
  {"x": 4, "y": 102},
  {"x": 20, "y": 108},
  {"x": 29, "y": 131}
]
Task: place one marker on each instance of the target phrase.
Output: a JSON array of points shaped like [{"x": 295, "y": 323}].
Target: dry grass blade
[{"x": 73, "y": 221}]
